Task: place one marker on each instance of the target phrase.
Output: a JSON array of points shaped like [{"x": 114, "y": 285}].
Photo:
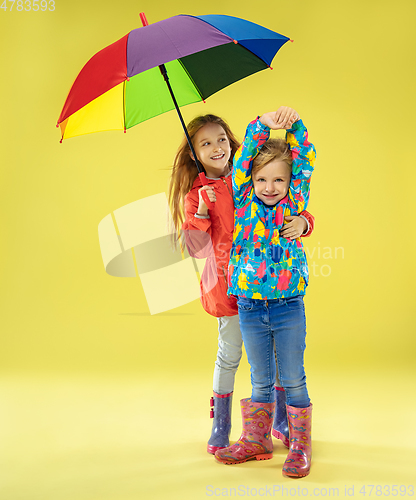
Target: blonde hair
[
  {"x": 184, "y": 171},
  {"x": 273, "y": 149}
]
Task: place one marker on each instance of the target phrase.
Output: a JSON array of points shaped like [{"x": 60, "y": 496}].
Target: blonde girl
[
  {"x": 208, "y": 233},
  {"x": 269, "y": 275}
]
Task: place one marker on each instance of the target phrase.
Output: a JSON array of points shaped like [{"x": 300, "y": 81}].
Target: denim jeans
[{"x": 283, "y": 322}]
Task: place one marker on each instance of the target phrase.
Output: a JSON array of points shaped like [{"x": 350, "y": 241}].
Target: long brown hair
[{"x": 184, "y": 171}]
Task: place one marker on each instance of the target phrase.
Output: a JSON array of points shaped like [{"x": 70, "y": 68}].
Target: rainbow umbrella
[{"x": 122, "y": 86}]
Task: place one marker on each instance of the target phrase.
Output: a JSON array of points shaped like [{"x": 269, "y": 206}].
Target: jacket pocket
[{"x": 253, "y": 268}]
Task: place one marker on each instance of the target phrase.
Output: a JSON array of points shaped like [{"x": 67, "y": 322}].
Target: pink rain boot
[
  {"x": 298, "y": 461},
  {"x": 255, "y": 440}
]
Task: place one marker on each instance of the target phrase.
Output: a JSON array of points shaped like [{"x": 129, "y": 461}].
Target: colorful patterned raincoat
[{"x": 264, "y": 265}]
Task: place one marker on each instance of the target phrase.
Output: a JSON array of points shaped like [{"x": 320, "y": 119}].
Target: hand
[
  {"x": 295, "y": 228},
  {"x": 202, "y": 207},
  {"x": 283, "y": 118}
]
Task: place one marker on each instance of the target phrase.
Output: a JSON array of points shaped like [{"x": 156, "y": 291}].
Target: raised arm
[
  {"x": 303, "y": 154},
  {"x": 258, "y": 131},
  {"x": 256, "y": 135}
]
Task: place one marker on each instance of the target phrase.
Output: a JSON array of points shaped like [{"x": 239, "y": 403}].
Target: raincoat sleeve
[
  {"x": 256, "y": 135},
  {"x": 303, "y": 154},
  {"x": 310, "y": 219},
  {"x": 196, "y": 230}
]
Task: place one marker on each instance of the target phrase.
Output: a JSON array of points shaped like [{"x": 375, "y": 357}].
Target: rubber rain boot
[
  {"x": 298, "y": 461},
  {"x": 255, "y": 440},
  {"x": 221, "y": 426}
]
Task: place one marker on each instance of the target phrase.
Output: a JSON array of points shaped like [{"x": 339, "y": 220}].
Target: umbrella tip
[
  {"x": 143, "y": 19},
  {"x": 60, "y": 142},
  {"x": 57, "y": 125},
  {"x": 125, "y": 131},
  {"x": 292, "y": 41},
  {"x": 235, "y": 41},
  {"x": 270, "y": 67}
]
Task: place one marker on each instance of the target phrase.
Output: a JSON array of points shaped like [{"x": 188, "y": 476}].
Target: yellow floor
[{"x": 128, "y": 438}]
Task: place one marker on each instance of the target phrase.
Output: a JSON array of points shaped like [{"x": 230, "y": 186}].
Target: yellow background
[{"x": 102, "y": 400}]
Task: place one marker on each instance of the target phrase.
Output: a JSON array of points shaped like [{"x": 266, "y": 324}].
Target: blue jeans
[{"x": 282, "y": 321}]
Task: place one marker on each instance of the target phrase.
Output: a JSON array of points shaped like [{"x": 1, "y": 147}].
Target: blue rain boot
[
  {"x": 280, "y": 426},
  {"x": 221, "y": 426}
]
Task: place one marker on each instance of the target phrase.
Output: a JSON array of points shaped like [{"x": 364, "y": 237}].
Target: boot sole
[
  {"x": 295, "y": 475},
  {"x": 264, "y": 456}
]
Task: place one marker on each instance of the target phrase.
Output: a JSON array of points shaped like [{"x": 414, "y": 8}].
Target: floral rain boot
[
  {"x": 255, "y": 440},
  {"x": 280, "y": 426},
  {"x": 221, "y": 426},
  {"x": 298, "y": 461}
]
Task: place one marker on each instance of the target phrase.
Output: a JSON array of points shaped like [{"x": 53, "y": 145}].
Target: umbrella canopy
[{"x": 121, "y": 85}]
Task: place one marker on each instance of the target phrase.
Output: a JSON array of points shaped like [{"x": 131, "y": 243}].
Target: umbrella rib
[
  {"x": 172, "y": 42},
  {"x": 192, "y": 80}
]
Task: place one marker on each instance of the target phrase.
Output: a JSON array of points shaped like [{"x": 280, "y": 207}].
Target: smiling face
[
  {"x": 271, "y": 183},
  {"x": 213, "y": 149}
]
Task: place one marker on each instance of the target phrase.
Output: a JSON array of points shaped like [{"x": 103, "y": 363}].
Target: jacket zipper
[
  {"x": 224, "y": 275},
  {"x": 225, "y": 182}
]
